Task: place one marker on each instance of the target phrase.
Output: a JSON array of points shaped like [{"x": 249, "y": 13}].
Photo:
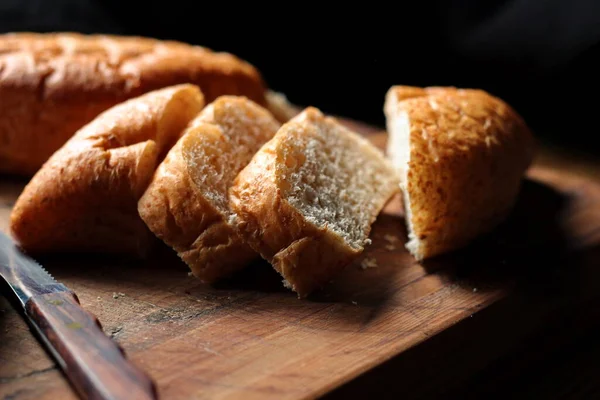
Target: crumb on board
[
  {"x": 390, "y": 238},
  {"x": 355, "y": 303},
  {"x": 474, "y": 289},
  {"x": 114, "y": 332},
  {"x": 368, "y": 263},
  {"x": 117, "y": 295},
  {"x": 391, "y": 242}
]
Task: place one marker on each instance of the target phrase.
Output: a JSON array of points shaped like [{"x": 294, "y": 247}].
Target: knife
[{"x": 95, "y": 365}]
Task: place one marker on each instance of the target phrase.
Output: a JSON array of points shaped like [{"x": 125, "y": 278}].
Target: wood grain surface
[{"x": 251, "y": 338}]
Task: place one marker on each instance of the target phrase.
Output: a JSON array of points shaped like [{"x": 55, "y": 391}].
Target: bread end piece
[
  {"x": 461, "y": 155},
  {"x": 308, "y": 198},
  {"x": 186, "y": 205},
  {"x": 84, "y": 198}
]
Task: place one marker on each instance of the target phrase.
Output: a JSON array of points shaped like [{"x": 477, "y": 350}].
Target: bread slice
[
  {"x": 308, "y": 198},
  {"x": 461, "y": 155},
  {"x": 85, "y": 197},
  {"x": 186, "y": 205},
  {"x": 54, "y": 83}
]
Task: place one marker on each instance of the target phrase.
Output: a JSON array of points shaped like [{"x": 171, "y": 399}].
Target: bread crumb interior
[
  {"x": 398, "y": 150},
  {"x": 334, "y": 178}
]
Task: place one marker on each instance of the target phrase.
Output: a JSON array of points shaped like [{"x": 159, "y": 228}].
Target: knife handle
[{"x": 94, "y": 363}]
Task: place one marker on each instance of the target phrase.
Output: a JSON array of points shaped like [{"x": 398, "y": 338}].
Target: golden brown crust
[
  {"x": 53, "y": 84},
  {"x": 181, "y": 205},
  {"x": 469, "y": 151},
  {"x": 85, "y": 196},
  {"x": 306, "y": 255}
]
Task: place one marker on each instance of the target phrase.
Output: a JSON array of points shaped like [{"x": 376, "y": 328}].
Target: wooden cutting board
[{"x": 251, "y": 338}]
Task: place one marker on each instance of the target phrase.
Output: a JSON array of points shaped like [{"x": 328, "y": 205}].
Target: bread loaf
[
  {"x": 53, "y": 84},
  {"x": 186, "y": 205},
  {"x": 85, "y": 197},
  {"x": 308, "y": 198},
  {"x": 461, "y": 155}
]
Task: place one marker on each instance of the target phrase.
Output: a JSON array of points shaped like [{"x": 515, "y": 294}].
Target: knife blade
[
  {"x": 94, "y": 364},
  {"x": 24, "y": 276}
]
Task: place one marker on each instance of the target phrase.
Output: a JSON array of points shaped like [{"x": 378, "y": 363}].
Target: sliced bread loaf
[
  {"x": 186, "y": 203},
  {"x": 461, "y": 155},
  {"x": 308, "y": 198}
]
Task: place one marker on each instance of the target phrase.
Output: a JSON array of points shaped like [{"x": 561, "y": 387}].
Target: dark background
[{"x": 539, "y": 55}]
